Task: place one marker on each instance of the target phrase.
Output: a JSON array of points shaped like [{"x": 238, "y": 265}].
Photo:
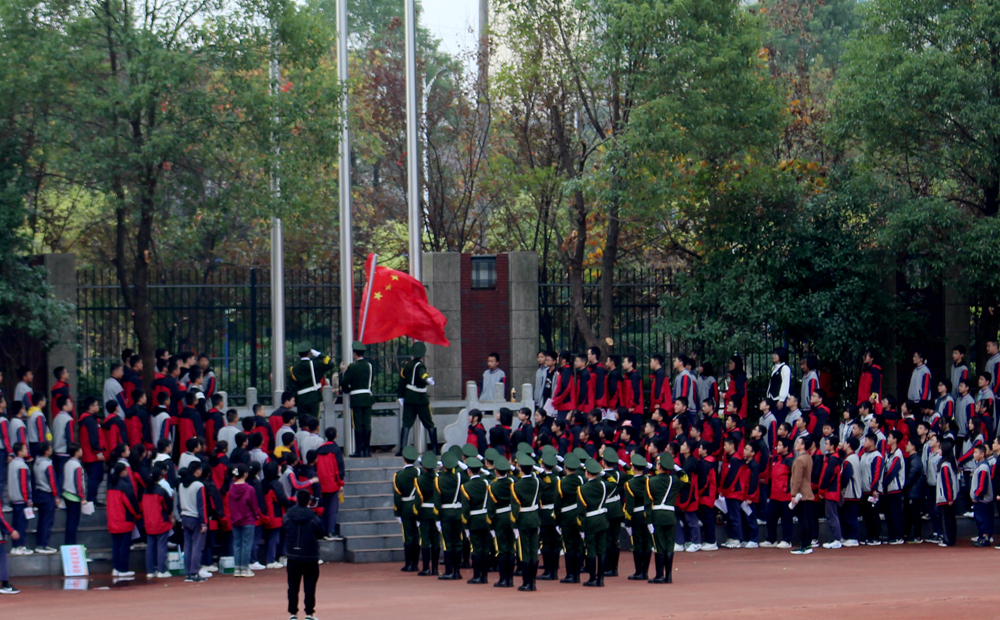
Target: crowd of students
[{"x": 183, "y": 475}]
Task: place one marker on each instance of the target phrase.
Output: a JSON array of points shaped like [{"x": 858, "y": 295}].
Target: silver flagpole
[
  {"x": 277, "y": 251},
  {"x": 412, "y": 140},
  {"x": 346, "y": 246}
]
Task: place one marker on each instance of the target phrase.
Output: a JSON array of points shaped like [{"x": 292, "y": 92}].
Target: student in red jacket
[
  {"x": 751, "y": 479},
  {"x": 158, "y": 514},
  {"x": 114, "y": 428},
  {"x": 631, "y": 390},
  {"x": 214, "y": 422},
  {"x": 660, "y": 396},
  {"x": 95, "y": 448},
  {"x": 777, "y": 507},
  {"x": 564, "y": 389},
  {"x": 736, "y": 391},
  {"x": 688, "y": 501},
  {"x": 708, "y": 477},
  {"x": 331, "y": 480},
  {"x": 61, "y": 389},
  {"x": 122, "y": 514},
  {"x": 829, "y": 490},
  {"x": 733, "y": 490}
]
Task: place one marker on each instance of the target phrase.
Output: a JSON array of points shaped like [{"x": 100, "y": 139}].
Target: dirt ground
[{"x": 914, "y": 582}]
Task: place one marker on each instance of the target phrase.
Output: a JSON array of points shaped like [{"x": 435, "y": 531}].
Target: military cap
[
  {"x": 410, "y": 453},
  {"x": 524, "y": 447},
  {"x": 593, "y": 467},
  {"x": 429, "y": 460},
  {"x": 525, "y": 460},
  {"x": 303, "y": 346},
  {"x": 666, "y": 461},
  {"x": 571, "y": 461},
  {"x": 470, "y": 450},
  {"x": 549, "y": 449},
  {"x": 491, "y": 455},
  {"x": 418, "y": 349},
  {"x": 502, "y": 464},
  {"x": 549, "y": 459},
  {"x": 474, "y": 463},
  {"x": 638, "y": 461},
  {"x": 358, "y": 346},
  {"x": 610, "y": 455},
  {"x": 449, "y": 460},
  {"x": 581, "y": 454},
  {"x": 457, "y": 449}
]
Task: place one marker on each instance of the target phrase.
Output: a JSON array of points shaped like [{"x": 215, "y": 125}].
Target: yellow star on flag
[
  {"x": 388, "y": 287},
  {"x": 395, "y": 277},
  {"x": 378, "y": 295}
]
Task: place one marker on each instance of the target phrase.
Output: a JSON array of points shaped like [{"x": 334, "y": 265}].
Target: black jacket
[{"x": 303, "y": 530}]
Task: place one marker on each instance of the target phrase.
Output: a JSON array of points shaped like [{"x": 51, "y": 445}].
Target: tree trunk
[{"x": 986, "y": 329}]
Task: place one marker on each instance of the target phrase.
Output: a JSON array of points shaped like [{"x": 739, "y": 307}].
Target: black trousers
[{"x": 308, "y": 573}]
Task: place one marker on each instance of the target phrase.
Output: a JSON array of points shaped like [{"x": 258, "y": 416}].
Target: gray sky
[{"x": 451, "y": 21}]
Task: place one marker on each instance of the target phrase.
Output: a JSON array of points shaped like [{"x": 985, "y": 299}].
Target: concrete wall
[
  {"x": 442, "y": 278},
  {"x": 523, "y": 307},
  {"x": 61, "y": 275}
]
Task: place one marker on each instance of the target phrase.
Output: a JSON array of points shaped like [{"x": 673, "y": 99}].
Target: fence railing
[{"x": 224, "y": 312}]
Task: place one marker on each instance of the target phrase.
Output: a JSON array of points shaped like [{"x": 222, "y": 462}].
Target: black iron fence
[{"x": 224, "y": 312}]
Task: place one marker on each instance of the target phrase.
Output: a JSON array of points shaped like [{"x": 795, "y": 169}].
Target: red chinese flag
[{"x": 397, "y": 307}]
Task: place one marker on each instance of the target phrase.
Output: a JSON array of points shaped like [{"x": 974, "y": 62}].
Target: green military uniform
[
  {"x": 635, "y": 519},
  {"x": 305, "y": 377},
  {"x": 412, "y": 388},
  {"x": 593, "y": 518},
  {"x": 449, "y": 507},
  {"x": 466, "y": 452},
  {"x": 356, "y": 381},
  {"x": 526, "y": 521},
  {"x": 616, "y": 513},
  {"x": 475, "y": 496},
  {"x": 404, "y": 494},
  {"x": 430, "y": 528},
  {"x": 498, "y": 509},
  {"x": 549, "y": 517},
  {"x": 661, "y": 498},
  {"x": 568, "y": 507}
]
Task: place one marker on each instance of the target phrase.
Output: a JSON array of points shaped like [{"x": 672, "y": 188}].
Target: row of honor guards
[{"x": 491, "y": 514}]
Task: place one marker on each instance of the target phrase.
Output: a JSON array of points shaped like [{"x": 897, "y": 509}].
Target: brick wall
[{"x": 485, "y": 321}]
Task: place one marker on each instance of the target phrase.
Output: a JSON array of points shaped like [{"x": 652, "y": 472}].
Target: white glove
[
  {"x": 438, "y": 524},
  {"x": 791, "y": 504},
  {"x": 628, "y": 530},
  {"x": 798, "y": 498},
  {"x": 467, "y": 534},
  {"x": 399, "y": 520},
  {"x": 650, "y": 528},
  {"x": 493, "y": 533},
  {"x": 430, "y": 381},
  {"x": 559, "y": 530},
  {"x": 517, "y": 533},
  {"x": 313, "y": 353},
  {"x": 463, "y": 465}
]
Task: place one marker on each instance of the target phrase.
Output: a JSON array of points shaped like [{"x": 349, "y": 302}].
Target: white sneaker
[
  {"x": 257, "y": 566},
  {"x": 850, "y": 542},
  {"x": 784, "y": 545},
  {"x": 805, "y": 551},
  {"x": 750, "y": 545},
  {"x": 731, "y": 544},
  {"x": 204, "y": 574},
  {"x": 150, "y": 576},
  {"x": 835, "y": 544},
  {"x": 283, "y": 561},
  {"x": 139, "y": 546},
  {"x": 127, "y": 573},
  {"x": 247, "y": 573},
  {"x": 678, "y": 548},
  {"x": 212, "y": 568},
  {"x": 761, "y": 522},
  {"x": 693, "y": 548},
  {"x": 814, "y": 544},
  {"x": 163, "y": 575},
  {"x": 45, "y": 551},
  {"x": 275, "y": 565},
  {"x": 710, "y": 547},
  {"x": 766, "y": 544}
]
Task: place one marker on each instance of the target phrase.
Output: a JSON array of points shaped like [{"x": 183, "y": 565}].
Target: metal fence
[{"x": 224, "y": 312}]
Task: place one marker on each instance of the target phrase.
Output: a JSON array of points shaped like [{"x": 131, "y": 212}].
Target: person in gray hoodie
[{"x": 19, "y": 490}]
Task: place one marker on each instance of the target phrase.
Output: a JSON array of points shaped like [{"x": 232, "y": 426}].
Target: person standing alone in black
[{"x": 303, "y": 530}]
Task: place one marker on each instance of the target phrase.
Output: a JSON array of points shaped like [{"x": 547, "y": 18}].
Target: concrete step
[
  {"x": 364, "y": 515},
  {"x": 357, "y": 543},
  {"x": 99, "y": 518},
  {"x": 369, "y": 474},
  {"x": 368, "y": 556},
  {"x": 393, "y": 462},
  {"x": 46, "y": 565},
  {"x": 360, "y": 500},
  {"x": 331, "y": 551},
  {"x": 370, "y": 528},
  {"x": 382, "y": 487}
]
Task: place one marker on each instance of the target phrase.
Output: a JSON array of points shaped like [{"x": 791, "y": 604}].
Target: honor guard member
[
  {"x": 306, "y": 375},
  {"x": 404, "y": 492},
  {"x": 616, "y": 515},
  {"x": 499, "y": 509},
  {"x": 468, "y": 451},
  {"x": 490, "y": 457},
  {"x": 475, "y": 495},
  {"x": 413, "y": 382},
  {"x": 527, "y": 490},
  {"x": 548, "y": 517},
  {"x": 661, "y": 498},
  {"x": 568, "y": 506},
  {"x": 449, "y": 507},
  {"x": 593, "y": 518},
  {"x": 356, "y": 381},
  {"x": 635, "y": 519},
  {"x": 430, "y": 533}
]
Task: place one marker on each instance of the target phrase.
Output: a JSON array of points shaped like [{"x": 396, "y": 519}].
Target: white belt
[
  {"x": 639, "y": 509},
  {"x": 476, "y": 513},
  {"x": 663, "y": 507},
  {"x": 594, "y": 513},
  {"x": 613, "y": 499},
  {"x": 427, "y": 505},
  {"x": 309, "y": 389},
  {"x": 353, "y": 392},
  {"x": 548, "y": 506},
  {"x": 500, "y": 511},
  {"x": 530, "y": 508},
  {"x": 450, "y": 506},
  {"x": 567, "y": 508},
  {"x": 415, "y": 388}
]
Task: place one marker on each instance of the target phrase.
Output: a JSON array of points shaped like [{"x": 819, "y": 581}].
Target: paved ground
[{"x": 914, "y": 582}]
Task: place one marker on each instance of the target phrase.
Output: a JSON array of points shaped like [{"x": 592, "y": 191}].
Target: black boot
[
  {"x": 577, "y": 566},
  {"x": 368, "y": 443},
  {"x": 411, "y": 553},
  {"x": 659, "y": 570},
  {"x": 517, "y": 568},
  {"x": 637, "y": 560},
  {"x": 446, "y": 575},
  {"x": 478, "y": 578},
  {"x": 525, "y": 577},
  {"x": 505, "y": 566},
  {"x": 435, "y": 558},
  {"x": 611, "y": 563},
  {"x": 404, "y": 438},
  {"x": 570, "y": 568},
  {"x": 359, "y": 445},
  {"x": 466, "y": 554},
  {"x": 534, "y": 575},
  {"x": 591, "y": 566},
  {"x": 550, "y": 570},
  {"x": 601, "y": 562},
  {"x": 646, "y": 556},
  {"x": 425, "y": 556},
  {"x": 669, "y": 567},
  {"x": 432, "y": 434},
  {"x": 455, "y": 573}
]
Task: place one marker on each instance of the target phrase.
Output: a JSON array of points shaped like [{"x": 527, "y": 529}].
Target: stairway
[{"x": 370, "y": 531}]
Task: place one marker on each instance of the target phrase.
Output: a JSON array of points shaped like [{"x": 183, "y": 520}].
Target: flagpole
[
  {"x": 412, "y": 147},
  {"x": 368, "y": 298},
  {"x": 346, "y": 246}
]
